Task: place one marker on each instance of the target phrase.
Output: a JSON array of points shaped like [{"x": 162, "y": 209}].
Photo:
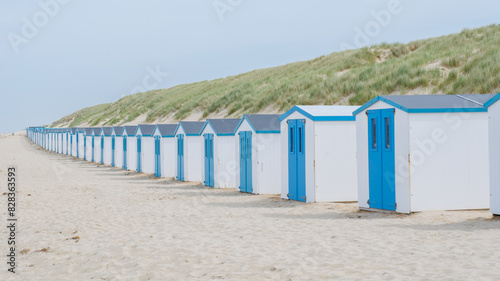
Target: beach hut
[
  {"x": 219, "y": 152},
  {"x": 189, "y": 151},
  {"x": 80, "y": 142},
  {"x": 259, "y": 154},
  {"x": 165, "y": 150},
  {"x": 318, "y": 148},
  {"x": 96, "y": 145},
  {"x": 130, "y": 148},
  {"x": 87, "y": 150},
  {"x": 107, "y": 145},
  {"x": 118, "y": 141},
  {"x": 494, "y": 150},
  {"x": 419, "y": 153},
  {"x": 72, "y": 141},
  {"x": 145, "y": 149}
]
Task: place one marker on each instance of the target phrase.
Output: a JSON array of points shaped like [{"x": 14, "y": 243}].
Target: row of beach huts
[{"x": 397, "y": 153}]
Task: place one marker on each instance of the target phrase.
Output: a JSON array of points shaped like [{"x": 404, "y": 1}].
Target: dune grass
[{"x": 467, "y": 62}]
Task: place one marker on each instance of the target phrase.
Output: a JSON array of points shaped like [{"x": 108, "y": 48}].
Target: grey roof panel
[
  {"x": 107, "y": 131},
  {"x": 88, "y": 131},
  {"x": 224, "y": 126},
  {"x": 118, "y": 130},
  {"x": 97, "y": 131},
  {"x": 130, "y": 130},
  {"x": 167, "y": 130},
  {"x": 147, "y": 130},
  {"x": 440, "y": 101},
  {"x": 264, "y": 122},
  {"x": 192, "y": 127}
]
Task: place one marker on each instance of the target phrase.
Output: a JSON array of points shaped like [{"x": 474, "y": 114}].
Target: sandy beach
[{"x": 83, "y": 221}]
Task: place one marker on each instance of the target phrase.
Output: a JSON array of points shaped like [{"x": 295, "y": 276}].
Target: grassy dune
[{"x": 467, "y": 62}]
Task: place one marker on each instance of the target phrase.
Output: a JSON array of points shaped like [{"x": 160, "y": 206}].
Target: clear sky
[{"x": 58, "y": 56}]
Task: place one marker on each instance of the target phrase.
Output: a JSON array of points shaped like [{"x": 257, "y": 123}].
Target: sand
[{"x": 82, "y": 221}]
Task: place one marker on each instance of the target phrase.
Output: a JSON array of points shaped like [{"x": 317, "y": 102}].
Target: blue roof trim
[
  {"x": 316, "y": 118},
  {"x": 492, "y": 101},
  {"x": 365, "y": 106},
  {"x": 253, "y": 128},
  {"x": 219, "y": 135}
]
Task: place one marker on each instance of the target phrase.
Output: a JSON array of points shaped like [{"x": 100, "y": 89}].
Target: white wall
[
  {"x": 81, "y": 140},
  {"x": 73, "y": 149},
  {"x": 193, "y": 158},
  {"x": 97, "y": 149},
  {"x": 88, "y": 141},
  {"x": 401, "y": 140},
  {"x": 494, "y": 157},
  {"x": 224, "y": 161},
  {"x": 118, "y": 152},
  {"x": 449, "y": 161},
  {"x": 107, "y": 150},
  {"x": 335, "y": 164},
  {"x": 148, "y": 155},
  {"x": 169, "y": 157},
  {"x": 132, "y": 153}
]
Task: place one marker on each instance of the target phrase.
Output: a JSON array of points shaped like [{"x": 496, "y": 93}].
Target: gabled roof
[
  {"x": 436, "y": 103},
  {"x": 146, "y": 130},
  {"x": 73, "y": 130},
  {"x": 222, "y": 127},
  {"x": 106, "y": 131},
  {"x": 97, "y": 131},
  {"x": 323, "y": 112},
  {"x": 166, "y": 130},
  {"x": 262, "y": 123},
  {"x": 191, "y": 128},
  {"x": 130, "y": 130},
  {"x": 80, "y": 130},
  {"x": 118, "y": 130}
]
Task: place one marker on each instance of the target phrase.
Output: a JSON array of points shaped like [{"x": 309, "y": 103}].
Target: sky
[{"x": 58, "y": 56}]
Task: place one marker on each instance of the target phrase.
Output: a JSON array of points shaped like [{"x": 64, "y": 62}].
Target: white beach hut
[
  {"x": 118, "y": 140},
  {"x": 130, "y": 148},
  {"x": 73, "y": 146},
  {"x": 80, "y": 142},
  {"x": 87, "y": 145},
  {"x": 107, "y": 145},
  {"x": 219, "y": 152},
  {"x": 96, "y": 145},
  {"x": 166, "y": 151},
  {"x": 419, "y": 153},
  {"x": 494, "y": 150},
  {"x": 189, "y": 151},
  {"x": 145, "y": 149},
  {"x": 318, "y": 148},
  {"x": 259, "y": 154}
]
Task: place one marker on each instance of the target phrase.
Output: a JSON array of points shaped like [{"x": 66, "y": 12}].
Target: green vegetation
[{"x": 468, "y": 62}]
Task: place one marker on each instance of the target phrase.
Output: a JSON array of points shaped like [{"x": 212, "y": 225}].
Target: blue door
[
  {"x": 157, "y": 157},
  {"x": 84, "y": 148},
  {"x": 209, "y": 159},
  {"x": 381, "y": 159},
  {"x": 296, "y": 160},
  {"x": 102, "y": 150},
  {"x": 180, "y": 157},
  {"x": 93, "y": 148},
  {"x": 124, "y": 152},
  {"x": 67, "y": 144},
  {"x": 139, "y": 150},
  {"x": 113, "y": 144},
  {"x": 246, "y": 161},
  {"x": 71, "y": 146}
]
